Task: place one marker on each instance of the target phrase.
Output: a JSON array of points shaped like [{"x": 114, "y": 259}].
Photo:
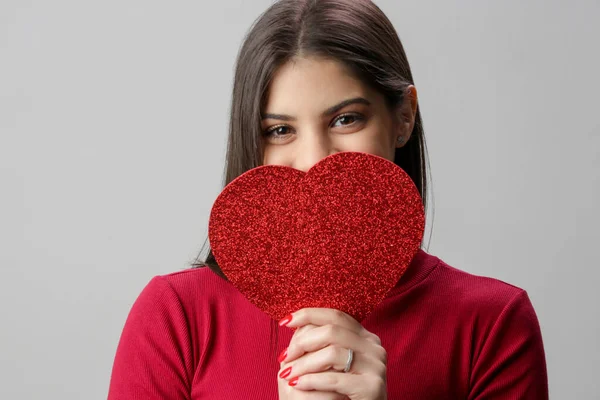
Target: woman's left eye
[{"x": 348, "y": 118}]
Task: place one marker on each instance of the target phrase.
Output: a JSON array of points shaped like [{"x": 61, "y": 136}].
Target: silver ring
[{"x": 349, "y": 362}]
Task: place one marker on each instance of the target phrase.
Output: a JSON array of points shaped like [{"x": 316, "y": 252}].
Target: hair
[{"x": 354, "y": 32}]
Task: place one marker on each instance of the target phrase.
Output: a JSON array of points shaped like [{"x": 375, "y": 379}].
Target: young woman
[{"x": 314, "y": 78}]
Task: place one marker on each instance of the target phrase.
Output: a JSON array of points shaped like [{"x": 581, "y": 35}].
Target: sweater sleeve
[
  {"x": 511, "y": 363},
  {"x": 153, "y": 358}
]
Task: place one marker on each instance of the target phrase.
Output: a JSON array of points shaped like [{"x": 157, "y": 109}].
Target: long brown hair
[{"x": 354, "y": 32}]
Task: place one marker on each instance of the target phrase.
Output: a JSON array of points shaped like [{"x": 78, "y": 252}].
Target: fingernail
[
  {"x": 286, "y": 320},
  {"x": 285, "y": 373},
  {"x": 282, "y": 356},
  {"x": 293, "y": 382}
]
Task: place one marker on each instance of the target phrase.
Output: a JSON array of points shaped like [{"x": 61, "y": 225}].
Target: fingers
[
  {"x": 303, "y": 329},
  {"x": 330, "y": 357},
  {"x": 322, "y": 336},
  {"x": 319, "y": 349},
  {"x": 327, "y": 316},
  {"x": 323, "y": 316},
  {"x": 368, "y": 386},
  {"x": 289, "y": 392}
]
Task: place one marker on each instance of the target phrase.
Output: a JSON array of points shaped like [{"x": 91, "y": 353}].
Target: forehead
[{"x": 312, "y": 83}]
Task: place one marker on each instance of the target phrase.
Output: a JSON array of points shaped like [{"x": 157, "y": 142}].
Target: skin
[
  {"x": 318, "y": 350},
  {"x": 297, "y": 91}
]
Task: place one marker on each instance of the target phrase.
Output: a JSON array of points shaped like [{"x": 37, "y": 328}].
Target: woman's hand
[{"x": 312, "y": 366}]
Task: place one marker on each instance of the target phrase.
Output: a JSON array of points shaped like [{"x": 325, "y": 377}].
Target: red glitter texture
[{"x": 339, "y": 236}]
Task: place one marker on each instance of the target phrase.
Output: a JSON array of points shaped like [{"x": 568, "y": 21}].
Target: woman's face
[{"x": 316, "y": 108}]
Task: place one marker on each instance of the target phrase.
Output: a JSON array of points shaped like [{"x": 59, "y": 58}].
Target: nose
[{"x": 311, "y": 148}]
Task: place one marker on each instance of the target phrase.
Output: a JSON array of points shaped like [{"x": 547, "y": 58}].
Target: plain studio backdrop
[{"x": 113, "y": 124}]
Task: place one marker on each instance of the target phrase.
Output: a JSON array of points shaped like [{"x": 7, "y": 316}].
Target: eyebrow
[{"x": 329, "y": 111}]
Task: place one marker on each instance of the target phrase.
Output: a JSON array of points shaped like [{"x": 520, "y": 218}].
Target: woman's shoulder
[
  {"x": 190, "y": 286},
  {"x": 198, "y": 277},
  {"x": 499, "y": 321},
  {"x": 433, "y": 277},
  {"x": 472, "y": 287},
  {"x": 478, "y": 297},
  {"x": 166, "y": 329},
  {"x": 185, "y": 294},
  {"x": 434, "y": 286}
]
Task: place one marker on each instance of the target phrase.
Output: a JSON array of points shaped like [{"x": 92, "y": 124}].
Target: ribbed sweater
[{"x": 448, "y": 334}]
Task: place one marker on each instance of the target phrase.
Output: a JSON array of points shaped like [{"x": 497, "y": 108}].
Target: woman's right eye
[{"x": 276, "y": 131}]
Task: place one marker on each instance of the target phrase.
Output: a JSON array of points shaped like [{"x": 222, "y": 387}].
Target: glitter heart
[{"x": 339, "y": 236}]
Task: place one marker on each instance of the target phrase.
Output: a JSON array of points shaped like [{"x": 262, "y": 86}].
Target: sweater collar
[{"x": 419, "y": 268}]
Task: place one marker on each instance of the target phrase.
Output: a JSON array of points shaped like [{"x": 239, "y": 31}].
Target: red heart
[{"x": 339, "y": 236}]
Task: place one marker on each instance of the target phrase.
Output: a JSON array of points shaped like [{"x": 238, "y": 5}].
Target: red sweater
[{"x": 448, "y": 334}]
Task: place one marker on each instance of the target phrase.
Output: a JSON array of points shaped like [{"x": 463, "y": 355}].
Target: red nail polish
[
  {"x": 282, "y": 356},
  {"x": 286, "y": 320},
  {"x": 293, "y": 382},
  {"x": 285, "y": 373}
]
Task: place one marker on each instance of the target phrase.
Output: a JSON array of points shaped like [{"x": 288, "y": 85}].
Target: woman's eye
[
  {"x": 280, "y": 131},
  {"x": 347, "y": 119},
  {"x": 276, "y": 131}
]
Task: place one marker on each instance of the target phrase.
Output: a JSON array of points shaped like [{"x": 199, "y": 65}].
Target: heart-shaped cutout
[{"x": 339, "y": 236}]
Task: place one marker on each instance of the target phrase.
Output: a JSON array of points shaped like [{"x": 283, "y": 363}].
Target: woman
[{"x": 314, "y": 78}]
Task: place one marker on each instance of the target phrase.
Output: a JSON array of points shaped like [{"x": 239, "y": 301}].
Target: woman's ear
[{"x": 406, "y": 113}]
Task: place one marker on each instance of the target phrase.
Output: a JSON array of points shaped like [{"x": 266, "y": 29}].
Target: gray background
[{"x": 113, "y": 120}]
